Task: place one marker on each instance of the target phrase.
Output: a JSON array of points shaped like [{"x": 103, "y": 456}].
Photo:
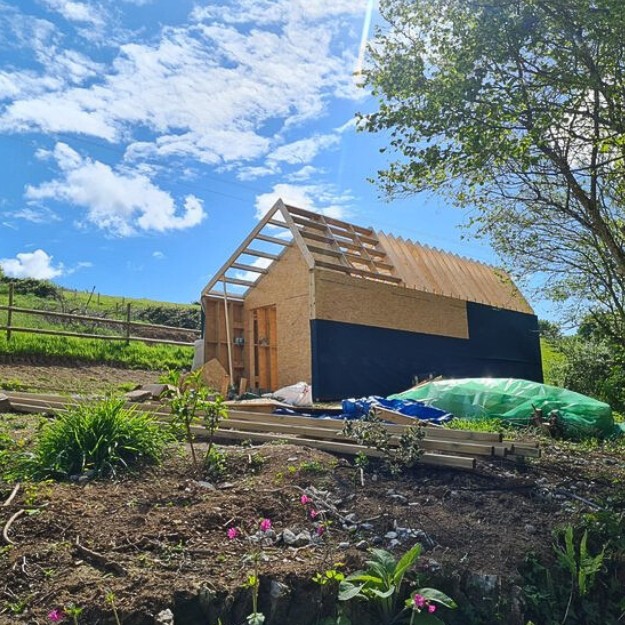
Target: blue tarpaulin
[{"x": 357, "y": 408}]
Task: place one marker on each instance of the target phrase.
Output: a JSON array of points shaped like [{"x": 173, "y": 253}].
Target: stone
[
  {"x": 343, "y": 545},
  {"x": 164, "y": 617},
  {"x": 138, "y": 395},
  {"x": 390, "y": 535},
  {"x": 157, "y": 390},
  {"x": 367, "y": 527},
  {"x": 529, "y": 528},
  {"x": 5, "y": 404},
  {"x": 288, "y": 536}
]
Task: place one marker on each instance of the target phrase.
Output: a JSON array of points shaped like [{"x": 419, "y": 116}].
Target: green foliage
[
  {"x": 398, "y": 455},
  {"x": 30, "y": 286},
  {"x": 579, "y": 588},
  {"x": 591, "y": 367},
  {"x": 187, "y": 317},
  {"x": 193, "y": 404},
  {"x": 514, "y": 109},
  {"x": 380, "y": 587},
  {"x": 100, "y": 438}
]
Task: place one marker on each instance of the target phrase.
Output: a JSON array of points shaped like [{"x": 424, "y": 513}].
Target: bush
[
  {"x": 98, "y": 439},
  {"x": 40, "y": 288}
]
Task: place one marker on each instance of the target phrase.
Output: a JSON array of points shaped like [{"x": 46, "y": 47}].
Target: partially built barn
[{"x": 357, "y": 312}]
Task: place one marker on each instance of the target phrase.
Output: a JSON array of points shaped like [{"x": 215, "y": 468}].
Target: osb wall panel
[
  {"x": 366, "y": 302},
  {"x": 215, "y": 335},
  {"x": 287, "y": 287}
]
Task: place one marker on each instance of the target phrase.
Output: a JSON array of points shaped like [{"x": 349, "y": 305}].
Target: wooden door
[{"x": 265, "y": 341}]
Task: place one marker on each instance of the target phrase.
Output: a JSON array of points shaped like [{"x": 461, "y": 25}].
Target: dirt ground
[{"x": 161, "y": 535}]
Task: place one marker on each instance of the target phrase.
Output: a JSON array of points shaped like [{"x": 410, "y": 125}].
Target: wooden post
[
  {"x": 10, "y": 312},
  {"x": 228, "y": 337},
  {"x": 128, "y": 324}
]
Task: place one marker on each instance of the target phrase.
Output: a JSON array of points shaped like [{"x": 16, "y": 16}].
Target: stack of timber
[{"x": 441, "y": 446}]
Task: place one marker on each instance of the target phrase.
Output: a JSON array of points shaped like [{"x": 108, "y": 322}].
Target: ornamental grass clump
[{"x": 96, "y": 439}]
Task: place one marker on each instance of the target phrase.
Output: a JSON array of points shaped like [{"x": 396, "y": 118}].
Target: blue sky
[{"x": 141, "y": 140}]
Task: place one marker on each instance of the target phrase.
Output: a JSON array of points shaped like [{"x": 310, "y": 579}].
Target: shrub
[{"x": 98, "y": 438}]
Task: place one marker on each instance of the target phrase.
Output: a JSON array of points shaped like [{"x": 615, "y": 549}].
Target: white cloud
[
  {"x": 204, "y": 90},
  {"x": 35, "y": 264},
  {"x": 35, "y": 214},
  {"x": 303, "y": 150},
  {"x": 76, "y": 11},
  {"x": 304, "y": 173},
  {"x": 121, "y": 203},
  {"x": 320, "y": 198},
  {"x": 158, "y": 255}
]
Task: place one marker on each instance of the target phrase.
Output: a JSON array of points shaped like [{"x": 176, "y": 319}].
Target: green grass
[{"x": 137, "y": 355}]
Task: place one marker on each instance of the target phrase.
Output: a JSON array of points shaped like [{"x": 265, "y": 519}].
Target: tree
[{"x": 515, "y": 108}]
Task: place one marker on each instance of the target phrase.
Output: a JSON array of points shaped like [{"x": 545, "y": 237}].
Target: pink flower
[
  {"x": 265, "y": 525},
  {"x": 313, "y": 513},
  {"x": 419, "y": 600},
  {"x": 56, "y": 615},
  {"x": 321, "y": 530},
  {"x": 431, "y": 608},
  {"x": 232, "y": 533},
  {"x": 304, "y": 499}
]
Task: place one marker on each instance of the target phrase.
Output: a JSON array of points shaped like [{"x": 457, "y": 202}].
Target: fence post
[
  {"x": 128, "y": 324},
  {"x": 10, "y": 312}
]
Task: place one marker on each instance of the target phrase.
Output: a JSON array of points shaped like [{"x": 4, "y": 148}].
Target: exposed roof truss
[{"x": 323, "y": 241}]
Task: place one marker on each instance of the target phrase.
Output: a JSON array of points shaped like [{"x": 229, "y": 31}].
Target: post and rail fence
[{"x": 126, "y": 326}]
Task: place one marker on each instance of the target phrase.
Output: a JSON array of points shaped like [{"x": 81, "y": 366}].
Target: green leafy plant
[
  {"x": 192, "y": 404},
  {"x": 582, "y": 567},
  {"x": 100, "y": 438},
  {"x": 380, "y": 588},
  {"x": 399, "y": 453}
]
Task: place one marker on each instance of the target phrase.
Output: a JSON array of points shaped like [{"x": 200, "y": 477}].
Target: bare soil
[{"x": 157, "y": 539}]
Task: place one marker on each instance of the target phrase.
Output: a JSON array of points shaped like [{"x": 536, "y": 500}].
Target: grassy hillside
[{"x": 46, "y": 296}]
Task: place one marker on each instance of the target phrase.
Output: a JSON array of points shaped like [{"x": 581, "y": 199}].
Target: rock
[
  {"x": 394, "y": 543},
  {"x": 157, "y": 391},
  {"x": 377, "y": 540},
  {"x": 363, "y": 544},
  {"x": 206, "y": 485},
  {"x": 367, "y": 527},
  {"x": 343, "y": 545},
  {"x": 529, "y": 528},
  {"x": 138, "y": 395},
  {"x": 288, "y": 537},
  {"x": 350, "y": 518},
  {"x": 390, "y": 535},
  {"x": 303, "y": 538},
  {"x": 165, "y": 617},
  {"x": 399, "y": 498}
]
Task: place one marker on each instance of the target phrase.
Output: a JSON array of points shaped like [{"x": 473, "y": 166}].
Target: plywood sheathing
[
  {"x": 428, "y": 269},
  {"x": 286, "y": 287},
  {"x": 215, "y": 335},
  {"x": 352, "y": 300}
]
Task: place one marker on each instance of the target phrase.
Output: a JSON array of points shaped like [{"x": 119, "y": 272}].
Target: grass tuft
[{"x": 99, "y": 438}]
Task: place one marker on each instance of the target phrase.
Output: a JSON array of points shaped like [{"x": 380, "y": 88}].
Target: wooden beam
[
  {"x": 360, "y": 272},
  {"x": 253, "y": 268},
  {"x": 234, "y": 256},
  {"x": 238, "y": 281},
  {"x": 330, "y": 220},
  {"x": 269, "y": 239},
  {"x": 297, "y": 237},
  {"x": 260, "y": 253}
]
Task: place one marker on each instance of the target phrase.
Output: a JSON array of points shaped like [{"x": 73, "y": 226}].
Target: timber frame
[{"x": 274, "y": 308}]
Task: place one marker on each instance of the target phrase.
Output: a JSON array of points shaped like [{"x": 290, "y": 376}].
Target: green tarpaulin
[{"x": 514, "y": 401}]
